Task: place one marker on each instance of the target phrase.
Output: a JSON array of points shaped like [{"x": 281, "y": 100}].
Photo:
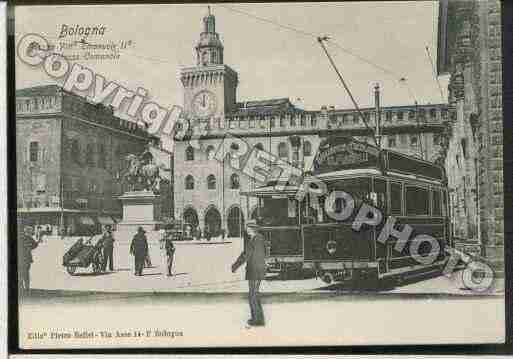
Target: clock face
[{"x": 204, "y": 104}]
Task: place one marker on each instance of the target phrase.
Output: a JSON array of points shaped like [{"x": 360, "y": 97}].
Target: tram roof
[
  {"x": 273, "y": 190},
  {"x": 339, "y": 153}
]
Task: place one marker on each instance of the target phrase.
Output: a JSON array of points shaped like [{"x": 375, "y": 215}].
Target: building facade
[
  {"x": 469, "y": 41},
  {"x": 207, "y": 192},
  {"x": 70, "y": 159}
]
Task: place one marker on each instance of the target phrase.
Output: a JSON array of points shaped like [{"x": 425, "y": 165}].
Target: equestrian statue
[{"x": 141, "y": 173}]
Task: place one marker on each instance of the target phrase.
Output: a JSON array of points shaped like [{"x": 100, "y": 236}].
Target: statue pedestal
[{"x": 140, "y": 209}]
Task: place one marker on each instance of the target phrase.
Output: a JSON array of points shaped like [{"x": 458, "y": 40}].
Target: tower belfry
[
  {"x": 210, "y": 87},
  {"x": 209, "y": 50}
]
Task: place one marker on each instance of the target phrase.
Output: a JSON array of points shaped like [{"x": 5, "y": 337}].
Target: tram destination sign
[{"x": 345, "y": 153}]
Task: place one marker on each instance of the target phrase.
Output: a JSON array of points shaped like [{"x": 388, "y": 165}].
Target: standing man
[
  {"x": 254, "y": 257},
  {"x": 28, "y": 244},
  {"x": 170, "y": 249},
  {"x": 108, "y": 248},
  {"x": 139, "y": 249}
]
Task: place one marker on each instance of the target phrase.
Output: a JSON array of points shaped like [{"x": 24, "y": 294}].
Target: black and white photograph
[{"x": 259, "y": 174}]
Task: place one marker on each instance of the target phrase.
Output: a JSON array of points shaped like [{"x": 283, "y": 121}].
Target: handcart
[{"x": 82, "y": 255}]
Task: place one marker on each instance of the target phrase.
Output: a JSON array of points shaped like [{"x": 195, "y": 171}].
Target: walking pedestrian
[
  {"x": 170, "y": 249},
  {"x": 254, "y": 257},
  {"x": 139, "y": 249},
  {"x": 28, "y": 244},
  {"x": 107, "y": 242}
]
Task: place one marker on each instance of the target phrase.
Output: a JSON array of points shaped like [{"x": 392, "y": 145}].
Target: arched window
[
  {"x": 210, "y": 152},
  {"x": 189, "y": 154},
  {"x": 211, "y": 182},
  {"x": 90, "y": 155},
  {"x": 307, "y": 148},
  {"x": 234, "y": 181},
  {"x": 189, "y": 182},
  {"x": 283, "y": 150}
]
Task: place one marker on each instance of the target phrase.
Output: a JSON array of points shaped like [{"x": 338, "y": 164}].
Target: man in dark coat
[
  {"x": 28, "y": 244},
  {"x": 108, "y": 248},
  {"x": 254, "y": 257},
  {"x": 139, "y": 249},
  {"x": 170, "y": 249}
]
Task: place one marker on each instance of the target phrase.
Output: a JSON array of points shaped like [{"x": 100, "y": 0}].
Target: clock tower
[{"x": 209, "y": 87}]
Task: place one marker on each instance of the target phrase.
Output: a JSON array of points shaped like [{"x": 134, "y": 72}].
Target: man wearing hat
[
  {"x": 139, "y": 249},
  {"x": 107, "y": 242},
  {"x": 169, "y": 248},
  {"x": 254, "y": 257},
  {"x": 27, "y": 244}
]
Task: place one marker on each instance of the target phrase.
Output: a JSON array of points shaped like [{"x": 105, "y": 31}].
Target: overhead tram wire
[
  {"x": 287, "y": 27},
  {"x": 400, "y": 79},
  {"x": 315, "y": 36},
  {"x": 321, "y": 41}
]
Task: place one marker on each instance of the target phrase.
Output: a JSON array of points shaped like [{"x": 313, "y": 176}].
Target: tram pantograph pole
[{"x": 321, "y": 41}]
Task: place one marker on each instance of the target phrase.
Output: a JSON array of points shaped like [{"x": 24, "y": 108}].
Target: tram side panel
[
  {"x": 345, "y": 254},
  {"x": 405, "y": 255},
  {"x": 336, "y": 252}
]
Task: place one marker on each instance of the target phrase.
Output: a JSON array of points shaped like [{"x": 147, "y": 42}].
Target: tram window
[
  {"x": 417, "y": 201},
  {"x": 358, "y": 188},
  {"x": 379, "y": 196},
  {"x": 396, "y": 196},
  {"x": 437, "y": 209},
  {"x": 276, "y": 211}
]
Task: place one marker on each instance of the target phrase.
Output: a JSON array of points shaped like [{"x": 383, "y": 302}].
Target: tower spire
[{"x": 209, "y": 50}]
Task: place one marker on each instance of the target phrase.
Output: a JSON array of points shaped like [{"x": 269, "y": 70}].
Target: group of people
[
  {"x": 253, "y": 255},
  {"x": 139, "y": 249}
]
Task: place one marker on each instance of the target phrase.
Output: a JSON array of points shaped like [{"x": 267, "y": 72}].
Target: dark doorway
[
  {"x": 190, "y": 216},
  {"x": 212, "y": 222}
]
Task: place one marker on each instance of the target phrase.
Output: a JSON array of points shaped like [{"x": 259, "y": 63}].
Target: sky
[{"x": 272, "y": 61}]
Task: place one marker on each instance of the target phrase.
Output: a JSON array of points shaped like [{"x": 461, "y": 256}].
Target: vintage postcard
[{"x": 299, "y": 174}]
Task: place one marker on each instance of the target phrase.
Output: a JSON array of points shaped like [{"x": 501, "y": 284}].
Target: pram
[{"x": 83, "y": 255}]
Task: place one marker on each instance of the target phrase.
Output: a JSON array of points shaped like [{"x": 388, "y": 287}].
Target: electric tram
[
  {"x": 305, "y": 233},
  {"x": 280, "y": 219}
]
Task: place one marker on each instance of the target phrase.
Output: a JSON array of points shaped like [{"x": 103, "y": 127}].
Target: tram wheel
[{"x": 71, "y": 270}]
